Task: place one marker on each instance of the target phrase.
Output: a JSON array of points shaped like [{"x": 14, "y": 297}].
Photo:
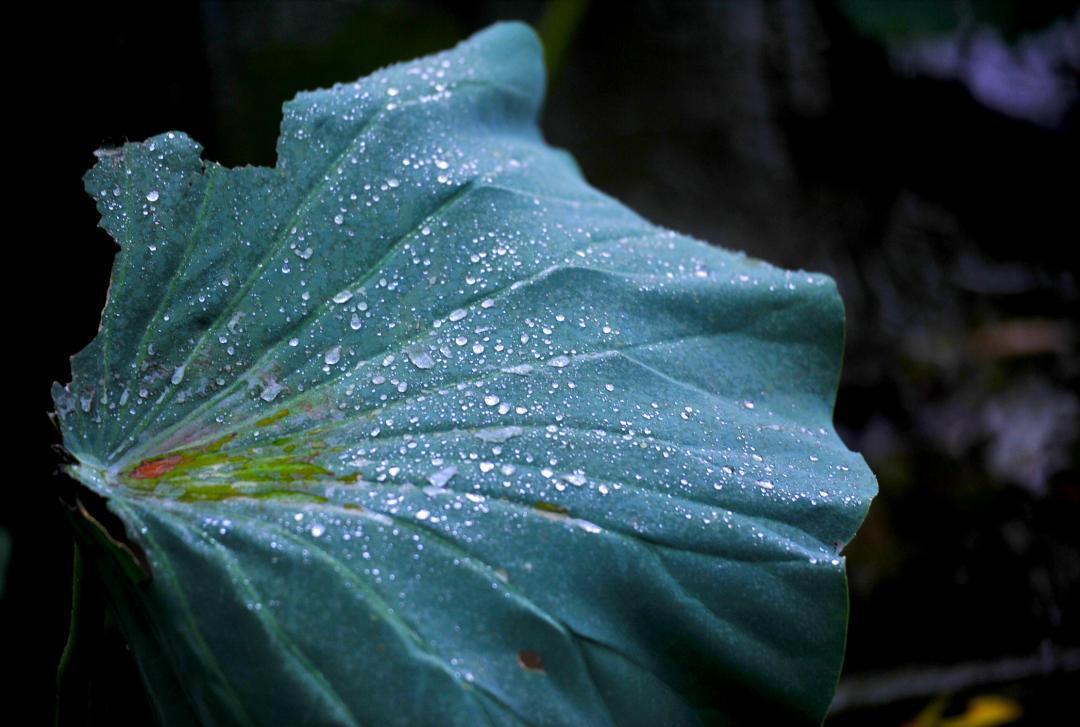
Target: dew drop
[
  {"x": 576, "y": 479},
  {"x": 498, "y": 434},
  {"x": 439, "y": 478},
  {"x": 420, "y": 358},
  {"x": 270, "y": 390}
]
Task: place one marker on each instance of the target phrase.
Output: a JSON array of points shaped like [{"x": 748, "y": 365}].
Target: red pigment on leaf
[
  {"x": 156, "y": 467},
  {"x": 530, "y": 660}
]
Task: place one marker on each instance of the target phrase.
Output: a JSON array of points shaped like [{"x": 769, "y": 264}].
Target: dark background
[{"x": 924, "y": 153}]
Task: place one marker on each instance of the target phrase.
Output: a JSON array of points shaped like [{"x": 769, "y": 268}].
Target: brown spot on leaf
[
  {"x": 530, "y": 660},
  {"x": 153, "y": 468},
  {"x": 276, "y": 416},
  {"x": 543, "y": 506}
]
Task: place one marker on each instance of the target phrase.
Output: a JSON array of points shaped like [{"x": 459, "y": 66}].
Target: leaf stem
[{"x": 71, "y": 687}]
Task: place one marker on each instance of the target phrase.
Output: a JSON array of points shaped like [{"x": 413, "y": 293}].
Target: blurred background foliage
[{"x": 922, "y": 152}]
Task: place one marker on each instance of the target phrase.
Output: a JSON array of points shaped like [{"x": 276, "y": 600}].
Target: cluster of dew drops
[{"x": 455, "y": 510}]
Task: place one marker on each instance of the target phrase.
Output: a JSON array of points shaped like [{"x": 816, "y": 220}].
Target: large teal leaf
[{"x": 417, "y": 427}]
